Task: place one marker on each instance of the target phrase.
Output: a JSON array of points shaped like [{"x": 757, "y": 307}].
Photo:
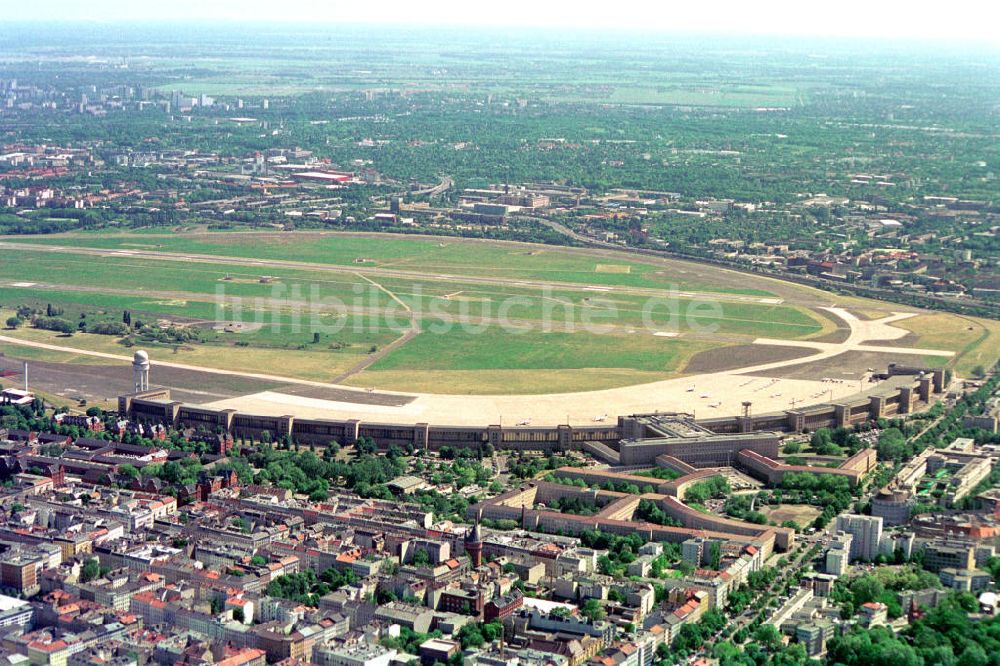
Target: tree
[
  {"x": 768, "y": 636},
  {"x": 129, "y": 472},
  {"x": 14, "y": 322},
  {"x": 605, "y": 565},
  {"x": 892, "y": 445},
  {"x": 471, "y": 636},
  {"x": 792, "y": 655},
  {"x": 593, "y": 610},
  {"x": 791, "y": 524},
  {"x": 874, "y": 646},
  {"x": 691, "y": 637},
  {"x": 973, "y": 655},
  {"x": 866, "y": 589},
  {"x": 717, "y": 486},
  {"x": 820, "y": 438},
  {"x": 56, "y": 324},
  {"x": 714, "y": 555},
  {"x": 91, "y": 570},
  {"x": 421, "y": 558},
  {"x": 727, "y": 653}
]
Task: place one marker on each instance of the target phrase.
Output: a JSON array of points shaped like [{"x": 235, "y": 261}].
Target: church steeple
[{"x": 474, "y": 542}]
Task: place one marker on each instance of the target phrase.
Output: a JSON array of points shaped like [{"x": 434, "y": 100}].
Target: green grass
[
  {"x": 134, "y": 275},
  {"x": 347, "y": 334},
  {"x": 976, "y": 341},
  {"x": 34, "y": 354},
  {"x": 495, "y": 349},
  {"x": 451, "y": 256},
  {"x": 497, "y": 362},
  {"x": 315, "y": 362},
  {"x": 191, "y": 289}
]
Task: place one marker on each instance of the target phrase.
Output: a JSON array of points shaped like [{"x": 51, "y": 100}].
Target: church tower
[{"x": 474, "y": 544}]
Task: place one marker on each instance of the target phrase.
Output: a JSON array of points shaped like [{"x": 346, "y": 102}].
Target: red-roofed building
[{"x": 873, "y": 614}]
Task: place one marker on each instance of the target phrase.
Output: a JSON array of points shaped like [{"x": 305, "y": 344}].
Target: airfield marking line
[
  {"x": 371, "y": 359},
  {"x": 388, "y": 293}
]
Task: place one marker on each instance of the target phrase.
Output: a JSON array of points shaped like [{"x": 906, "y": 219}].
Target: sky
[{"x": 956, "y": 20}]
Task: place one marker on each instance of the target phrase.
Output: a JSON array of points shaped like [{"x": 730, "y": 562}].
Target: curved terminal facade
[{"x": 631, "y": 440}]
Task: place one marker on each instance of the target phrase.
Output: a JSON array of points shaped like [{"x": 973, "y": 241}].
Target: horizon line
[{"x": 675, "y": 32}]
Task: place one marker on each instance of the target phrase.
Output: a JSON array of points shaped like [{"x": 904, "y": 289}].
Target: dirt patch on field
[
  {"x": 238, "y": 327},
  {"x": 802, "y": 514},
  {"x": 836, "y": 336},
  {"x": 741, "y": 356},
  {"x": 174, "y": 302}
]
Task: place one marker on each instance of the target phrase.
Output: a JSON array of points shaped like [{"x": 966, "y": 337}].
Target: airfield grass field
[
  {"x": 193, "y": 290},
  {"x": 301, "y": 364},
  {"x": 446, "y": 255},
  {"x": 978, "y": 338},
  {"x": 35, "y": 354},
  {"x": 493, "y": 349},
  {"x": 494, "y": 362},
  {"x": 513, "y": 314}
]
